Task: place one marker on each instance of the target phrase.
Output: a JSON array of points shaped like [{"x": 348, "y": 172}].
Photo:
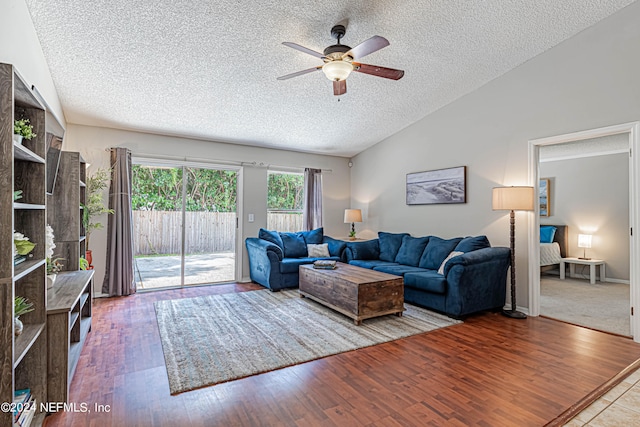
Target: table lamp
[
  {"x": 584, "y": 241},
  {"x": 352, "y": 216}
]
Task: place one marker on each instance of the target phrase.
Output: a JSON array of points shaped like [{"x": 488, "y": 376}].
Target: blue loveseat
[
  {"x": 274, "y": 257},
  {"x": 457, "y": 276}
]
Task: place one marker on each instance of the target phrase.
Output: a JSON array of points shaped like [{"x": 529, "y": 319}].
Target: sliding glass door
[{"x": 184, "y": 224}]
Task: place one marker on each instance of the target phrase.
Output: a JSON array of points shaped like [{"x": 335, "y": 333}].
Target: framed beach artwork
[
  {"x": 437, "y": 186},
  {"x": 545, "y": 199}
]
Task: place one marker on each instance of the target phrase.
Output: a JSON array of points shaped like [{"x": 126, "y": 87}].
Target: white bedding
[{"x": 549, "y": 254}]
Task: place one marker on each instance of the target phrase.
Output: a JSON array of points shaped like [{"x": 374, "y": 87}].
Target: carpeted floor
[
  {"x": 603, "y": 306},
  {"x": 217, "y": 338}
]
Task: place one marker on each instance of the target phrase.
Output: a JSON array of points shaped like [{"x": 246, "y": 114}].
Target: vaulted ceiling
[{"x": 208, "y": 69}]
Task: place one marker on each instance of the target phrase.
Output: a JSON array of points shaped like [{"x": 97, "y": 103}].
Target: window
[{"x": 285, "y": 198}]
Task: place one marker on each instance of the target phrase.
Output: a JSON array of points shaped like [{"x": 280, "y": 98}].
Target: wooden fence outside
[{"x": 159, "y": 232}]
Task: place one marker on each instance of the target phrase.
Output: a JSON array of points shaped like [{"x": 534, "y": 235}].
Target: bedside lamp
[
  {"x": 584, "y": 241},
  {"x": 352, "y": 216},
  {"x": 513, "y": 199}
]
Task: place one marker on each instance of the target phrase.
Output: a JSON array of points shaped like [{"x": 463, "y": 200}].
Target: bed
[{"x": 551, "y": 253}]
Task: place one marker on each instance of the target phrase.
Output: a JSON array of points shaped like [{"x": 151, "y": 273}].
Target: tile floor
[{"x": 619, "y": 407}]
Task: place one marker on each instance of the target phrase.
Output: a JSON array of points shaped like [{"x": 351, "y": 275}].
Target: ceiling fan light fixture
[{"x": 337, "y": 70}]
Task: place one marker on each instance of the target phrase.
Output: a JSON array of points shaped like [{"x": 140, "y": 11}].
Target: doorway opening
[
  {"x": 185, "y": 224},
  {"x": 588, "y": 225}
]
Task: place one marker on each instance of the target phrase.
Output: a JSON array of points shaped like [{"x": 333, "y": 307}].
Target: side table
[{"x": 592, "y": 263}]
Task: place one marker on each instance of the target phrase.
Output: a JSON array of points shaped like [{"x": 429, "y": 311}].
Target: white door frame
[{"x": 632, "y": 129}]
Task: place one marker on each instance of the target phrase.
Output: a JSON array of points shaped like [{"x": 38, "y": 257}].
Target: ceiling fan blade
[
  {"x": 304, "y": 49},
  {"x": 300, "y": 73},
  {"x": 339, "y": 87},
  {"x": 374, "y": 70},
  {"x": 368, "y": 46}
]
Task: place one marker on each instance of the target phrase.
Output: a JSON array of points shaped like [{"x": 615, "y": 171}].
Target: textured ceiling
[
  {"x": 208, "y": 69},
  {"x": 585, "y": 148}
]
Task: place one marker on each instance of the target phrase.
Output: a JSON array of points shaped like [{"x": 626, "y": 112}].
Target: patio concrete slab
[{"x": 164, "y": 271}]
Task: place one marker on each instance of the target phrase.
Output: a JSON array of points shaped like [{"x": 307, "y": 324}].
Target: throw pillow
[
  {"x": 313, "y": 236},
  {"x": 436, "y": 251},
  {"x": 390, "y": 245},
  {"x": 271, "y": 236},
  {"x": 547, "y": 233},
  {"x": 294, "y": 245},
  {"x": 469, "y": 244},
  {"x": 411, "y": 250},
  {"x": 318, "y": 251},
  {"x": 451, "y": 255}
]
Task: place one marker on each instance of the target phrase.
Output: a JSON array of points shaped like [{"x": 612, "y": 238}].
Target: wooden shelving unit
[
  {"x": 68, "y": 323},
  {"x": 66, "y": 221},
  {"x": 22, "y": 167}
]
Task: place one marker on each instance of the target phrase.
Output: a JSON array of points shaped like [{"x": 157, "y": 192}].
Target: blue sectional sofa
[
  {"x": 457, "y": 276},
  {"x": 274, "y": 257}
]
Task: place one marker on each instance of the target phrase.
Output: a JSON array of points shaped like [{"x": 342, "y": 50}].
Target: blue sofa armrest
[
  {"x": 369, "y": 249},
  {"x": 477, "y": 280},
  {"x": 336, "y": 247},
  {"x": 264, "y": 261}
]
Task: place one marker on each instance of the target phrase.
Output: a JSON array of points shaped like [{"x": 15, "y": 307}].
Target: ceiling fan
[{"x": 339, "y": 60}]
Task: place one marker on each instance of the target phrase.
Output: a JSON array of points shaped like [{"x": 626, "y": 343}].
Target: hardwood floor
[{"x": 488, "y": 371}]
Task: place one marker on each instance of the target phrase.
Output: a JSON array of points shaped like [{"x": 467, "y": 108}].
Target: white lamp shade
[
  {"x": 337, "y": 70},
  {"x": 584, "y": 240},
  {"x": 352, "y": 215},
  {"x": 513, "y": 198}
]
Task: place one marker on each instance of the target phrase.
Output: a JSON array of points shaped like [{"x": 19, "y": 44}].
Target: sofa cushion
[
  {"x": 370, "y": 263},
  {"x": 547, "y": 233},
  {"x": 429, "y": 281},
  {"x": 364, "y": 250},
  {"x": 436, "y": 251},
  {"x": 390, "y": 244},
  {"x": 469, "y": 244},
  {"x": 313, "y": 236},
  {"x": 318, "y": 251},
  {"x": 290, "y": 265},
  {"x": 411, "y": 250},
  {"x": 294, "y": 245},
  {"x": 271, "y": 236},
  {"x": 399, "y": 269},
  {"x": 336, "y": 247}
]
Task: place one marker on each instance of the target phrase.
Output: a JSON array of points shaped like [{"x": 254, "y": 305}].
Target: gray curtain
[
  {"x": 118, "y": 278},
  {"x": 312, "y": 212}
]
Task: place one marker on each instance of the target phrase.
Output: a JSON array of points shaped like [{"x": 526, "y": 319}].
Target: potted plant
[
  {"x": 21, "y": 247},
  {"x": 53, "y": 265},
  {"x": 94, "y": 206},
  {"x": 21, "y": 306},
  {"x": 22, "y": 129}
]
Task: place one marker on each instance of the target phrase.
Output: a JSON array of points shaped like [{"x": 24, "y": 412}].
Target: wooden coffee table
[{"x": 359, "y": 293}]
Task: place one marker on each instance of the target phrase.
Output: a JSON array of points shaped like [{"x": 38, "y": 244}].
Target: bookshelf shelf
[{"x": 22, "y": 167}]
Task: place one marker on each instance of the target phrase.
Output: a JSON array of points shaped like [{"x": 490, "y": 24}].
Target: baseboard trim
[{"x": 622, "y": 281}]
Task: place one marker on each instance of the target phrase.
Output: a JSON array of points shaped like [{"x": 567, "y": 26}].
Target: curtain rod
[{"x": 253, "y": 164}]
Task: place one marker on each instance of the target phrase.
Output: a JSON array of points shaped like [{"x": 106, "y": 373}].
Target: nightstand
[{"x": 592, "y": 263}]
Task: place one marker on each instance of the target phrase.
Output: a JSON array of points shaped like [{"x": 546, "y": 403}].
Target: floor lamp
[{"x": 513, "y": 199}]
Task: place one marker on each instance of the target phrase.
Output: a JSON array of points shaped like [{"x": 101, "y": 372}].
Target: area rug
[{"x": 213, "y": 339}]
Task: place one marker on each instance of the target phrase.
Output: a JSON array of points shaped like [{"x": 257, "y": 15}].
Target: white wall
[
  {"x": 591, "y": 196},
  {"x": 589, "y": 81},
  {"x": 92, "y": 143},
  {"x": 20, "y": 46}
]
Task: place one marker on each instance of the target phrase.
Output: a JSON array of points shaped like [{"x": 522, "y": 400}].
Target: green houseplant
[
  {"x": 23, "y": 129},
  {"x": 21, "y": 306},
  {"x": 94, "y": 205}
]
